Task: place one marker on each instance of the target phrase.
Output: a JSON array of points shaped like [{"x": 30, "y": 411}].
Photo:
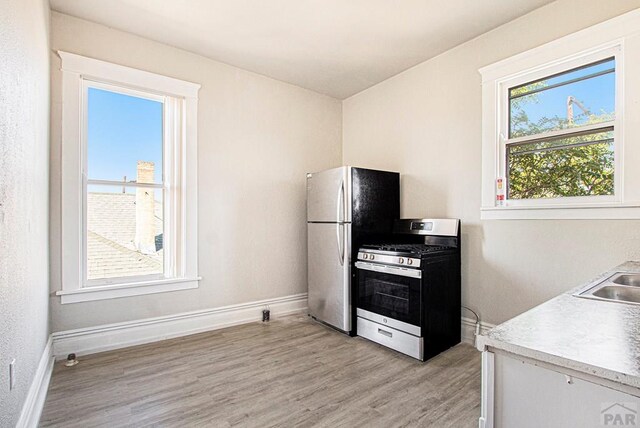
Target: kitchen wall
[
  {"x": 426, "y": 123},
  {"x": 24, "y": 196},
  {"x": 257, "y": 137}
]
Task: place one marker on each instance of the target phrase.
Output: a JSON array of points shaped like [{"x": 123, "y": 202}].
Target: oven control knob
[
  {"x": 371, "y": 257},
  {"x": 365, "y": 256},
  {"x": 409, "y": 261},
  {"x": 400, "y": 260}
]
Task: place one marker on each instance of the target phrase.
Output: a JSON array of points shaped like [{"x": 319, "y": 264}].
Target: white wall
[
  {"x": 426, "y": 123},
  {"x": 24, "y": 196},
  {"x": 257, "y": 137}
]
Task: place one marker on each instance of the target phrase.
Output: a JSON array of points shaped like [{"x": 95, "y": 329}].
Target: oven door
[{"x": 390, "y": 291}]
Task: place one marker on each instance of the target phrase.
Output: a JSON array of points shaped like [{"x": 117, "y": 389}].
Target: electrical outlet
[{"x": 12, "y": 374}]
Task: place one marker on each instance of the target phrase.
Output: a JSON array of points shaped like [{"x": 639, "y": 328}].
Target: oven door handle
[{"x": 391, "y": 270}]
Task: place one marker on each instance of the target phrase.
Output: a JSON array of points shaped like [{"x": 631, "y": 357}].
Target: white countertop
[{"x": 590, "y": 336}]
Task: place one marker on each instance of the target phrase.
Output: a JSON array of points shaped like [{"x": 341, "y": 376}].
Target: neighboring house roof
[
  {"x": 108, "y": 259},
  {"x": 111, "y": 250}
]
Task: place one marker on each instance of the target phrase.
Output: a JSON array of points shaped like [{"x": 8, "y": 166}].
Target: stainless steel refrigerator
[{"x": 346, "y": 207}]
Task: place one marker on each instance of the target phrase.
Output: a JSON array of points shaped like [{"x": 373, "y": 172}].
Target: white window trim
[
  {"x": 617, "y": 37},
  {"x": 76, "y": 72}
]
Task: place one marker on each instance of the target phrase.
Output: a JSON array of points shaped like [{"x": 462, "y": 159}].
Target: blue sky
[
  {"x": 597, "y": 94},
  {"x": 121, "y": 131}
]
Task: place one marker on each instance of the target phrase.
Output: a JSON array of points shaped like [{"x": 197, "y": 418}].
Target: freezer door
[
  {"x": 328, "y": 193},
  {"x": 330, "y": 273},
  {"x": 376, "y": 200}
]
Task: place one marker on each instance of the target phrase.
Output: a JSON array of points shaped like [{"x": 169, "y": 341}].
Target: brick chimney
[{"x": 145, "y": 210}]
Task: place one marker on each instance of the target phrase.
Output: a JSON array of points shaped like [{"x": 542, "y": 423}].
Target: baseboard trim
[
  {"x": 108, "y": 337},
  {"x": 34, "y": 403},
  {"x": 121, "y": 335},
  {"x": 469, "y": 329}
]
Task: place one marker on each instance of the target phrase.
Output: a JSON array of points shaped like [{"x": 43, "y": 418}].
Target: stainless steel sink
[
  {"x": 620, "y": 287},
  {"x": 617, "y": 292},
  {"x": 627, "y": 279}
]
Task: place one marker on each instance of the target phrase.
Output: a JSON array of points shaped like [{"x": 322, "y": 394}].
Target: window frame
[
  {"x": 619, "y": 38},
  {"x": 179, "y": 185},
  {"x": 543, "y": 72}
]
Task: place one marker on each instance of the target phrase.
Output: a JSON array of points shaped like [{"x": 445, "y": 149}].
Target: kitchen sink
[
  {"x": 628, "y": 279},
  {"x": 617, "y": 292},
  {"x": 619, "y": 287}
]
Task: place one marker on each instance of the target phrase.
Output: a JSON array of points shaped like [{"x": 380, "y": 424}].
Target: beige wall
[
  {"x": 426, "y": 123},
  {"x": 257, "y": 137},
  {"x": 24, "y": 196}
]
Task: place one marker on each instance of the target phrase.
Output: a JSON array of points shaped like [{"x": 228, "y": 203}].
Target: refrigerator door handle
[
  {"x": 339, "y": 220},
  {"x": 343, "y": 202},
  {"x": 340, "y": 243},
  {"x": 340, "y": 203}
]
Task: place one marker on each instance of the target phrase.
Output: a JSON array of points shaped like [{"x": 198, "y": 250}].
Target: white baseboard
[
  {"x": 114, "y": 336},
  {"x": 469, "y": 329},
  {"x": 34, "y": 403}
]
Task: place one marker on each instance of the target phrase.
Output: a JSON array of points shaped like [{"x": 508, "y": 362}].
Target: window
[
  {"x": 129, "y": 181},
  {"x": 554, "y": 125},
  {"x": 125, "y": 185},
  {"x": 561, "y": 135}
]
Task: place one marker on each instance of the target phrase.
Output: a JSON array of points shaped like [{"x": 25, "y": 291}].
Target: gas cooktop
[{"x": 416, "y": 250}]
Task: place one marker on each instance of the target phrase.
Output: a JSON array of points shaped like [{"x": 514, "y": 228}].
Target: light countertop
[{"x": 595, "y": 337}]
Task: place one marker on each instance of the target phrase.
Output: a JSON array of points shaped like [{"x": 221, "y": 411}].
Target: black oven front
[{"x": 390, "y": 291}]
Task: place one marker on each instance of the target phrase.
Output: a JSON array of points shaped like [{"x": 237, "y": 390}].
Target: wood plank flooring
[{"x": 290, "y": 372}]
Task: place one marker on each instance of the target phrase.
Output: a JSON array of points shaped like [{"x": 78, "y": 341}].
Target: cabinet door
[{"x": 529, "y": 396}]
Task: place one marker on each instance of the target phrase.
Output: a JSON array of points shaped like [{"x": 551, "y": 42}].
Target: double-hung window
[
  {"x": 558, "y": 141},
  {"x": 554, "y": 125},
  {"x": 128, "y": 181},
  {"x": 125, "y": 186}
]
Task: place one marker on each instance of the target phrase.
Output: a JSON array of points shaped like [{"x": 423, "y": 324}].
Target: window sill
[
  {"x": 126, "y": 290},
  {"x": 563, "y": 212}
]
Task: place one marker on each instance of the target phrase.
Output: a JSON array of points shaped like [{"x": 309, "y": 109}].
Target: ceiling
[{"x": 335, "y": 47}]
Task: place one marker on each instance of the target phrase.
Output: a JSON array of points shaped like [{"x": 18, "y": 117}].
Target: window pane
[
  {"x": 574, "y": 98},
  {"x": 124, "y": 232},
  {"x": 122, "y": 130},
  {"x": 572, "y": 166}
]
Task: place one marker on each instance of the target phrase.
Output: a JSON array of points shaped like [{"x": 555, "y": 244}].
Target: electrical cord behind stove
[{"x": 477, "y": 328}]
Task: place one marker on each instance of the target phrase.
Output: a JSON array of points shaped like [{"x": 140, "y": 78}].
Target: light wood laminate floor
[{"x": 290, "y": 372}]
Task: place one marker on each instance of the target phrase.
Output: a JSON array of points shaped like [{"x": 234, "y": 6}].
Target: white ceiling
[{"x": 336, "y": 47}]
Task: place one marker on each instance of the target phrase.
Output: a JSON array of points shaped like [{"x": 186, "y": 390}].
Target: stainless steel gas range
[{"x": 409, "y": 291}]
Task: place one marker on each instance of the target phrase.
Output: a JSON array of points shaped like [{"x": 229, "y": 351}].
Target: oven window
[{"x": 392, "y": 296}]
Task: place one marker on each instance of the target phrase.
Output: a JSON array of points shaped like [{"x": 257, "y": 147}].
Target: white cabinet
[{"x": 523, "y": 393}]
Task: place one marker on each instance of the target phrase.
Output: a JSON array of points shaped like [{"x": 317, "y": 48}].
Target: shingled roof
[{"x": 111, "y": 249}]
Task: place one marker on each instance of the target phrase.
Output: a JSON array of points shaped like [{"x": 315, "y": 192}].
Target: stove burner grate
[{"x": 418, "y": 249}]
